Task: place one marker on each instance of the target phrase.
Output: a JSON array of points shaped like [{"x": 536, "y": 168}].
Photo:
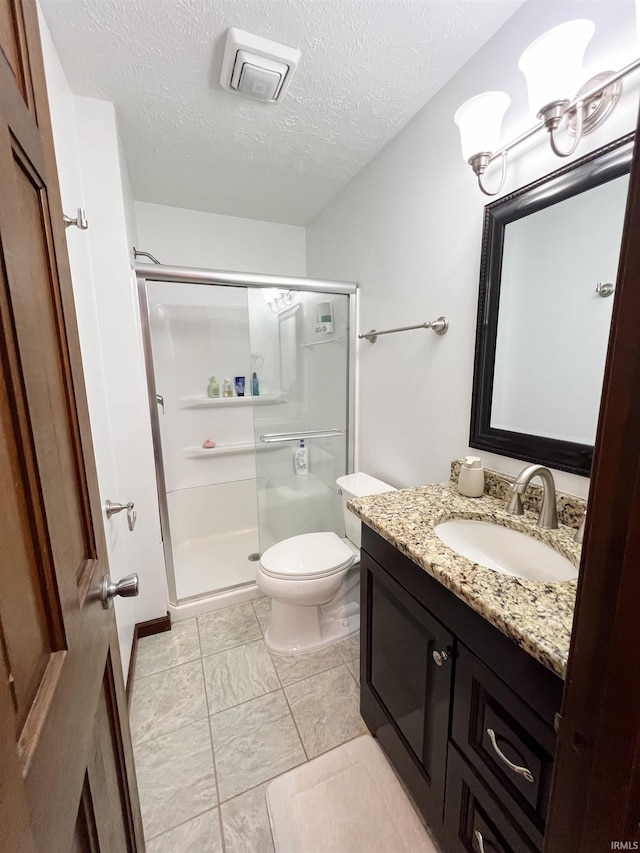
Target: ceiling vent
[{"x": 256, "y": 67}]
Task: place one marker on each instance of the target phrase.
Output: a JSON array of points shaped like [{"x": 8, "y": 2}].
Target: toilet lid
[{"x": 312, "y": 555}]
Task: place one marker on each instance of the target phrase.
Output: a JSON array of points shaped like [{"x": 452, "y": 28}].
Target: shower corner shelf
[
  {"x": 202, "y": 402},
  {"x": 324, "y": 341},
  {"x": 197, "y": 452}
]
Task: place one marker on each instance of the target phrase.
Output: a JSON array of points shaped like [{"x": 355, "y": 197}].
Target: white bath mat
[{"x": 346, "y": 801}]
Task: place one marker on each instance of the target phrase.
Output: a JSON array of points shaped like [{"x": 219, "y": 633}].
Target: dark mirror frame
[{"x": 603, "y": 165}]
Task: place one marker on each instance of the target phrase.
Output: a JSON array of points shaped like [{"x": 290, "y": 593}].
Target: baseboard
[{"x": 144, "y": 629}]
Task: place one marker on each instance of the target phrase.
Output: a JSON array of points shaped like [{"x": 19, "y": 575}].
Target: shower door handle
[
  {"x": 160, "y": 401},
  {"x": 275, "y": 437}
]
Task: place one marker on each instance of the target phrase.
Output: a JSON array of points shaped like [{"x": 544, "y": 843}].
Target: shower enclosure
[{"x": 221, "y": 506}]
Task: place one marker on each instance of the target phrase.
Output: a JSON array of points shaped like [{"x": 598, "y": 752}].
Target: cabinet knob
[{"x": 440, "y": 657}]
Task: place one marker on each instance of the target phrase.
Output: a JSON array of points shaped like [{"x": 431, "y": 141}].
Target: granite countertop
[{"x": 537, "y": 615}]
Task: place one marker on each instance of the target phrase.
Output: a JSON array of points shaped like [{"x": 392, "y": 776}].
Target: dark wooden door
[
  {"x": 405, "y": 695},
  {"x": 67, "y": 781},
  {"x": 595, "y": 798}
]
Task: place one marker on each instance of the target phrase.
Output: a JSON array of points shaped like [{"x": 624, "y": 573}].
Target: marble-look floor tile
[
  {"x": 350, "y": 648},
  {"x": 237, "y": 675},
  {"x": 254, "y": 742},
  {"x": 292, "y": 668},
  {"x": 262, "y": 609},
  {"x": 175, "y": 777},
  {"x": 245, "y": 823},
  {"x": 199, "y": 835},
  {"x": 170, "y": 648},
  {"x": 325, "y": 708},
  {"x": 224, "y": 629},
  {"x": 354, "y": 668},
  {"x": 167, "y": 700}
]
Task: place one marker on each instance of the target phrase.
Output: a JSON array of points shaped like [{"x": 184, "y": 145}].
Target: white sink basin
[{"x": 505, "y": 550}]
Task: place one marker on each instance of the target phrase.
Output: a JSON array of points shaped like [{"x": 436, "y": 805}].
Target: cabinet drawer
[
  {"x": 503, "y": 738},
  {"x": 474, "y": 821}
]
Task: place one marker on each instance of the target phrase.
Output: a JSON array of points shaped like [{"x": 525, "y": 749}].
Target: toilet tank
[{"x": 358, "y": 485}]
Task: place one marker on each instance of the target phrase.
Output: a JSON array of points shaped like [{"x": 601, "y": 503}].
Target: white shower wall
[
  {"x": 214, "y": 528},
  {"x": 197, "y": 332}
]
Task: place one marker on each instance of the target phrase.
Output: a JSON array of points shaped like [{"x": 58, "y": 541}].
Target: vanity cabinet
[{"x": 464, "y": 714}]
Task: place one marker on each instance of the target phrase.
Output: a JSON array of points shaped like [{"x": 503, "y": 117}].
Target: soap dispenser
[{"x": 471, "y": 479}]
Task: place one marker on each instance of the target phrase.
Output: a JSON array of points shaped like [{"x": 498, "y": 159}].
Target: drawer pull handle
[
  {"x": 440, "y": 657},
  {"x": 521, "y": 771},
  {"x": 479, "y": 841}
]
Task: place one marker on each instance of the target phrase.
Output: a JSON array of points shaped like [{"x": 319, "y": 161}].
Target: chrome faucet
[{"x": 548, "y": 518}]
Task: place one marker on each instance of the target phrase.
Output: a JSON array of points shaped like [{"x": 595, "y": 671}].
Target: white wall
[
  {"x": 191, "y": 238},
  {"x": 408, "y": 229},
  {"x": 92, "y": 175},
  {"x": 111, "y": 233}
]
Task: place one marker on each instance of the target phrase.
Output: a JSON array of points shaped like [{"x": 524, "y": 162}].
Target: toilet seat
[{"x": 309, "y": 556}]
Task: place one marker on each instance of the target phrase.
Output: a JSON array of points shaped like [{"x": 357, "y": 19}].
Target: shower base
[{"x": 213, "y": 564}]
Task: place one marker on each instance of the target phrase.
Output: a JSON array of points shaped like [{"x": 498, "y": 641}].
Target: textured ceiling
[{"x": 367, "y": 67}]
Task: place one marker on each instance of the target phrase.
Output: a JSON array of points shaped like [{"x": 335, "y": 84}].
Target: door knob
[{"x": 128, "y": 587}]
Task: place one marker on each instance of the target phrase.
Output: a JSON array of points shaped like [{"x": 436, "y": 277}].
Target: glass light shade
[
  {"x": 480, "y": 120},
  {"x": 552, "y": 65}
]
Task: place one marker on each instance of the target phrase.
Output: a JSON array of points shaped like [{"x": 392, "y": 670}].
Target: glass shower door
[
  {"x": 300, "y": 358},
  {"x": 207, "y": 488}
]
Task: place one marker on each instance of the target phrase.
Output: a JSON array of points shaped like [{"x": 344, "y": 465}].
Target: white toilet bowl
[{"x": 313, "y": 580}]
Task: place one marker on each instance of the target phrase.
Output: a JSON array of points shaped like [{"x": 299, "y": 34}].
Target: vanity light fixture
[
  {"x": 552, "y": 66},
  {"x": 480, "y": 120}
]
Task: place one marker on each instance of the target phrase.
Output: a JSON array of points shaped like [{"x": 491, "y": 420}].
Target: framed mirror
[{"x": 547, "y": 279}]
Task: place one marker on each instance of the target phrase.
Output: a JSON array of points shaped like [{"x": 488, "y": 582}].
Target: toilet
[{"x": 313, "y": 580}]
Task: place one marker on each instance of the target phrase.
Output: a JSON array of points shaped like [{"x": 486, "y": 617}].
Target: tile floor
[{"x": 215, "y": 717}]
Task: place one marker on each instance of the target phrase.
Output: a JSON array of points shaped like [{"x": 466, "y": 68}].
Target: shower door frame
[{"x": 193, "y": 275}]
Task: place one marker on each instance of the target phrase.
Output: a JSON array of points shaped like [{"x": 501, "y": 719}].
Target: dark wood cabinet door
[
  {"x": 67, "y": 781},
  {"x": 405, "y": 694}
]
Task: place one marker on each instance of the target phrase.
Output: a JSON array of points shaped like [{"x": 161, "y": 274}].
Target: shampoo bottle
[
  {"x": 301, "y": 458},
  {"x": 227, "y": 391},
  {"x": 255, "y": 385},
  {"x": 471, "y": 479},
  {"x": 214, "y": 389}
]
